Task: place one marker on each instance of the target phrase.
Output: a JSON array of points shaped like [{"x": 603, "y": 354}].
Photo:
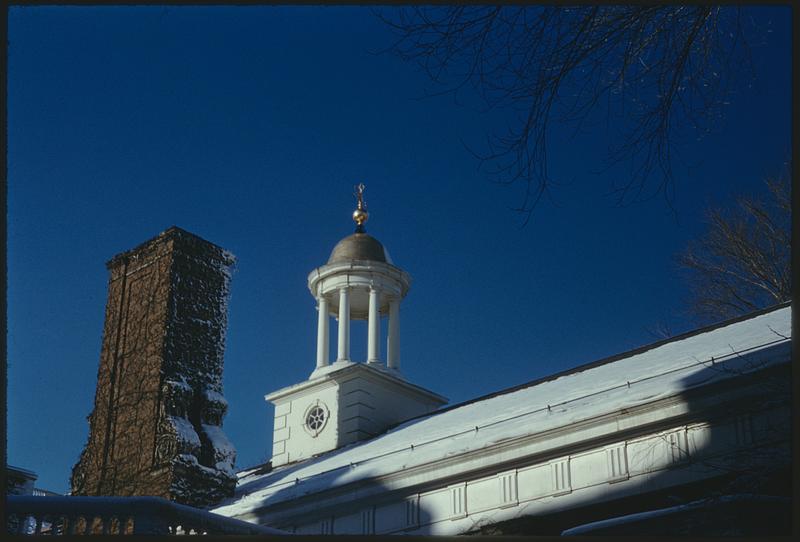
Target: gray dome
[{"x": 359, "y": 246}]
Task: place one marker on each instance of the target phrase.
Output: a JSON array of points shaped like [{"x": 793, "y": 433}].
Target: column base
[{"x": 333, "y": 367}]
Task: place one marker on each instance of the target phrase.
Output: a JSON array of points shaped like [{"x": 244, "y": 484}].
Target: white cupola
[{"x": 346, "y": 400}]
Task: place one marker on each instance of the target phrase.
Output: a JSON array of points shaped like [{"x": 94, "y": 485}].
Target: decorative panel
[
  {"x": 678, "y": 446},
  {"x": 458, "y": 501},
  {"x": 560, "y": 476},
  {"x": 326, "y": 526},
  {"x": 507, "y": 484},
  {"x": 368, "y": 521},
  {"x": 617, "y": 463},
  {"x": 412, "y": 511}
]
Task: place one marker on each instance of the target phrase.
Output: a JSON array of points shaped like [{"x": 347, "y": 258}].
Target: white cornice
[
  {"x": 360, "y": 267},
  {"x": 345, "y": 370}
]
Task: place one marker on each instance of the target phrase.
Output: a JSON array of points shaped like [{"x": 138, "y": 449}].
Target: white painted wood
[
  {"x": 343, "y": 344},
  {"x": 323, "y": 332},
  {"x": 374, "y": 328},
  {"x": 393, "y": 336},
  {"x": 617, "y": 463},
  {"x": 507, "y": 485},
  {"x": 560, "y": 476},
  {"x": 458, "y": 500},
  {"x": 368, "y": 521}
]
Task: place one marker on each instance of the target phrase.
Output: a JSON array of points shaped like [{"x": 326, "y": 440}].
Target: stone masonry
[{"x": 156, "y": 426}]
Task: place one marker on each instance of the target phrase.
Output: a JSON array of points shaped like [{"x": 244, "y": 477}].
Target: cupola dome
[{"x": 359, "y": 246}]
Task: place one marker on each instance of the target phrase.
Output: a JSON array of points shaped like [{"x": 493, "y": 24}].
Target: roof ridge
[{"x": 604, "y": 361}]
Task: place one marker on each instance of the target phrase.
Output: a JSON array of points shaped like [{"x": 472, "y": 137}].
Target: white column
[
  {"x": 393, "y": 339},
  {"x": 344, "y": 325},
  {"x": 374, "y": 329},
  {"x": 323, "y": 337}
]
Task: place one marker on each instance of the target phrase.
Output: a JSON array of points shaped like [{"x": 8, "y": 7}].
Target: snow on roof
[{"x": 645, "y": 375}]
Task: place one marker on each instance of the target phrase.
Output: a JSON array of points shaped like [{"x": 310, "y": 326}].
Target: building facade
[{"x": 702, "y": 415}]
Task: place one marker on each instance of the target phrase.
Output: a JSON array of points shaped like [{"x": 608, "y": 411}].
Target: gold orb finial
[{"x": 360, "y": 215}]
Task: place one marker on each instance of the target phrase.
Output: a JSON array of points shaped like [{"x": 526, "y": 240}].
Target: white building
[
  {"x": 344, "y": 402},
  {"x": 359, "y": 450}
]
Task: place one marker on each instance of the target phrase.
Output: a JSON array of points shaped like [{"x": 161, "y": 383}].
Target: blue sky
[{"x": 249, "y": 126}]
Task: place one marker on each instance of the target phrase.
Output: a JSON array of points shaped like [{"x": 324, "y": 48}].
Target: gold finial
[{"x": 360, "y": 215}]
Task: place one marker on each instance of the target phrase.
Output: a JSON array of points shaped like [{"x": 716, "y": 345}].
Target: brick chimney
[{"x": 156, "y": 426}]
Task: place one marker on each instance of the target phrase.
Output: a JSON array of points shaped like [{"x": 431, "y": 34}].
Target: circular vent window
[{"x": 316, "y": 418}]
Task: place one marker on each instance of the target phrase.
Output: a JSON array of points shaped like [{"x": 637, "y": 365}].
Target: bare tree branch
[
  {"x": 659, "y": 69},
  {"x": 742, "y": 262}
]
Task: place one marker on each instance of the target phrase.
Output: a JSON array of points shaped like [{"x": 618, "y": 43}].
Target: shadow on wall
[
  {"x": 731, "y": 450},
  {"x": 728, "y": 457}
]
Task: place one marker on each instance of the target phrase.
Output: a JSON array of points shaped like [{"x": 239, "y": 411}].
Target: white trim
[
  {"x": 507, "y": 488},
  {"x": 458, "y": 500},
  {"x": 617, "y": 462},
  {"x": 560, "y": 477}
]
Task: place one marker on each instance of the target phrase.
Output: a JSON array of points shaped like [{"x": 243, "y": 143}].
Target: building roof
[
  {"x": 667, "y": 369},
  {"x": 19, "y": 472},
  {"x": 359, "y": 246}
]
